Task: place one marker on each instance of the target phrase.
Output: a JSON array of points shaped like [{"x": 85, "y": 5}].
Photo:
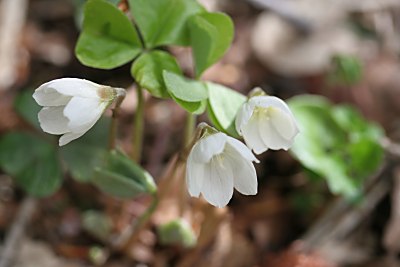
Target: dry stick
[
  {"x": 391, "y": 147},
  {"x": 392, "y": 233},
  {"x": 343, "y": 217},
  {"x": 13, "y": 239},
  {"x": 12, "y": 20}
]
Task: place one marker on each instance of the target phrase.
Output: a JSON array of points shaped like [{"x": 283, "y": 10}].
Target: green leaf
[
  {"x": 32, "y": 162},
  {"x": 189, "y": 94},
  {"x": 163, "y": 22},
  {"x": 108, "y": 39},
  {"x": 366, "y": 156},
  {"x": 148, "y": 71},
  {"x": 192, "y": 107},
  {"x": 211, "y": 35},
  {"x": 223, "y": 105},
  {"x": 347, "y": 70},
  {"x": 185, "y": 89},
  {"x": 121, "y": 177},
  {"x": 27, "y": 108},
  {"x": 335, "y": 143},
  {"x": 349, "y": 118},
  {"x": 78, "y": 13},
  {"x": 87, "y": 152}
]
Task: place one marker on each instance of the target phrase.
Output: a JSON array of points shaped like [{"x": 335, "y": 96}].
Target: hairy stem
[
  {"x": 137, "y": 140},
  {"x": 129, "y": 238},
  {"x": 114, "y": 121},
  {"x": 189, "y": 129}
]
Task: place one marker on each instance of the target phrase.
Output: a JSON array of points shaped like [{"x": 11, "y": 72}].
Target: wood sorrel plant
[{"x": 216, "y": 161}]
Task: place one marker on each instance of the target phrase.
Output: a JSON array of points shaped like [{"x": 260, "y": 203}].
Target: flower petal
[
  {"x": 243, "y": 117},
  {"x": 52, "y": 120},
  {"x": 270, "y": 136},
  {"x": 83, "y": 113},
  {"x": 270, "y": 101},
  {"x": 46, "y": 96},
  {"x": 241, "y": 149},
  {"x": 208, "y": 147},
  {"x": 251, "y": 136},
  {"x": 244, "y": 173},
  {"x": 74, "y": 87},
  {"x": 194, "y": 176},
  {"x": 68, "y": 137},
  {"x": 284, "y": 123},
  {"x": 217, "y": 186}
]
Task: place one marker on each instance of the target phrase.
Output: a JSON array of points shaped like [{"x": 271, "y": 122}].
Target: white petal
[
  {"x": 83, "y": 113},
  {"x": 241, "y": 149},
  {"x": 68, "y": 137},
  {"x": 270, "y": 136},
  {"x": 270, "y": 101},
  {"x": 52, "y": 120},
  {"x": 74, "y": 87},
  {"x": 208, "y": 147},
  {"x": 243, "y": 117},
  {"x": 284, "y": 123},
  {"x": 244, "y": 174},
  {"x": 45, "y": 96},
  {"x": 251, "y": 136},
  {"x": 194, "y": 176},
  {"x": 217, "y": 186}
]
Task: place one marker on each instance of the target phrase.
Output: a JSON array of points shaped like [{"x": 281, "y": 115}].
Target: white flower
[
  {"x": 216, "y": 164},
  {"x": 72, "y": 106},
  {"x": 266, "y": 122}
]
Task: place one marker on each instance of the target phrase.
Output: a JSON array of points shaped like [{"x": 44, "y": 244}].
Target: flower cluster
[{"x": 218, "y": 163}]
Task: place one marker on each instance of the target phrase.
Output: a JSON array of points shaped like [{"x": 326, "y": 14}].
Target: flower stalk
[
  {"x": 129, "y": 238},
  {"x": 114, "y": 120},
  {"x": 137, "y": 139},
  {"x": 189, "y": 128}
]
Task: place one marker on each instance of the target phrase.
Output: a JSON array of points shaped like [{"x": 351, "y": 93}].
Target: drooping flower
[
  {"x": 218, "y": 163},
  {"x": 266, "y": 122},
  {"x": 72, "y": 106}
]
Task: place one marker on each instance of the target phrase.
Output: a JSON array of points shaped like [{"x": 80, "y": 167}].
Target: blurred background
[{"x": 344, "y": 50}]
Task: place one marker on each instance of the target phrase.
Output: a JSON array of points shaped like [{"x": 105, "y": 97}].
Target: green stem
[
  {"x": 142, "y": 220},
  {"x": 137, "y": 140},
  {"x": 141, "y": 223},
  {"x": 189, "y": 129},
  {"x": 114, "y": 121}
]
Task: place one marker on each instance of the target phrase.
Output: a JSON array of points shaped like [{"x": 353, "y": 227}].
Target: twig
[
  {"x": 391, "y": 147},
  {"x": 343, "y": 217},
  {"x": 13, "y": 239},
  {"x": 12, "y": 19}
]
